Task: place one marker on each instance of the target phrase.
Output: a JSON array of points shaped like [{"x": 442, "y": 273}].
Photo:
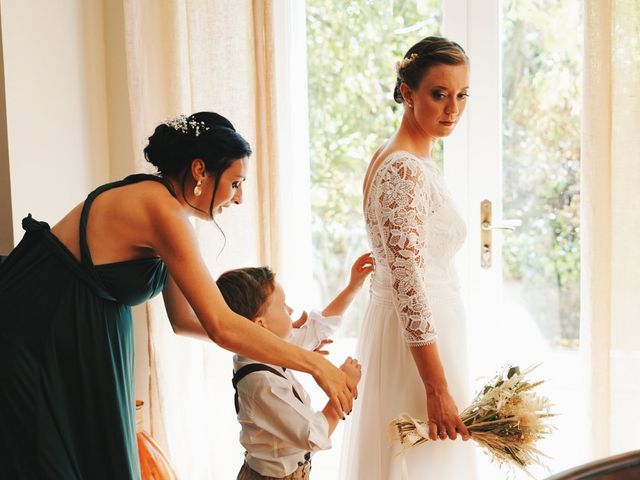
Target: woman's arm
[
  {"x": 183, "y": 319},
  {"x": 173, "y": 239},
  {"x": 441, "y": 408}
]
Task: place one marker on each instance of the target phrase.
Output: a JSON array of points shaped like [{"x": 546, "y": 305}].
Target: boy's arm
[
  {"x": 361, "y": 268},
  {"x": 342, "y": 301},
  {"x": 331, "y": 416},
  {"x": 316, "y": 330}
]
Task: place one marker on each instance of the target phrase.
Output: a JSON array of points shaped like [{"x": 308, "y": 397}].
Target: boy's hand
[
  {"x": 301, "y": 321},
  {"x": 323, "y": 343},
  {"x": 353, "y": 369},
  {"x": 361, "y": 268}
]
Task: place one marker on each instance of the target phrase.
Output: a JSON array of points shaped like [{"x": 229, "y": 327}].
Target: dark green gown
[{"x": 66, "y": 356}]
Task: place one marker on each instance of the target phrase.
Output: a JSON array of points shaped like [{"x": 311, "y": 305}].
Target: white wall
[
  {"x": 67, "y": 117},
  {"x": 56, "y": 106}
]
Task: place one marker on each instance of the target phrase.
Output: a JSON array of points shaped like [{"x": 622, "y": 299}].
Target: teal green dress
[{"x": 66, "y": 356}]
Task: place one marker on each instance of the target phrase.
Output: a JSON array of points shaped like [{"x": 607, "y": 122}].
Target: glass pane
[
  {"x": 541, "y": 87},
  {"x": 352, "y": 50},
  {"x": 542, "y": 52}
]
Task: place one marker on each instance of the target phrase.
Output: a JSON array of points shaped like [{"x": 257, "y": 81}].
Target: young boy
[{"x": 280, "y": 431}]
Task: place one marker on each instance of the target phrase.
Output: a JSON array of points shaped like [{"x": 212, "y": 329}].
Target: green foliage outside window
[{"x": 542, "y": 53}]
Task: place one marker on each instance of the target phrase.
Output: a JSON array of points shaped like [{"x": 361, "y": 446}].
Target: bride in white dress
[{"x": 412, "y": 342}]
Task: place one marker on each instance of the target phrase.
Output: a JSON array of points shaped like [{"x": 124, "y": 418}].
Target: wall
[
  {"x": 66, "y": 127},
  {"x": 56, "y": 106}
]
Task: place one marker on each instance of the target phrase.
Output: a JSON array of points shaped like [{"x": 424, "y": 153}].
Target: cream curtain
[
  {"x": 610, "y": 235},
  {"x": 185, "y": 56}
]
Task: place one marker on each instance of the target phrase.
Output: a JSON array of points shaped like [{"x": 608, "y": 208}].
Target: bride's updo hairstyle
[
  {"x": 204, "y": 135},
  {"x": 428, "y": 52}
]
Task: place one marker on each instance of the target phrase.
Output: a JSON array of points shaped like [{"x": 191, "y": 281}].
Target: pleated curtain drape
[
  {"x": 610, "y": 229},
  {"x": 185, "y": 56}
]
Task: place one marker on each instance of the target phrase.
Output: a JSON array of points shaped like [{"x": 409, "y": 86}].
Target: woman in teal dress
[{"x": 66, "y": 337}]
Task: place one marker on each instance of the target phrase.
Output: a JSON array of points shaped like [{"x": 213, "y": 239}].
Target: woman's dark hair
[
  {"x": 247, "y": 290},
  {"x": 204, "y": 135},
  {"x": 423, "y": 55}
]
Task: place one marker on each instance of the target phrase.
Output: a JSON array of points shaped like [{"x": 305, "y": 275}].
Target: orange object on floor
[{"x": 154, "y": 464}]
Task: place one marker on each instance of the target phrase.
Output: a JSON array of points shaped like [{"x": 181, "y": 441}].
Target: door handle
[
  {"x": 505, "y": 225},
  {"x": 486, "y": 229}
]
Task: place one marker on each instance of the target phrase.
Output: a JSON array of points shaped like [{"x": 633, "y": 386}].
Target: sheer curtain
[
  {"x": 185, "y": 56},
  {"x": 610, "y": 235}
]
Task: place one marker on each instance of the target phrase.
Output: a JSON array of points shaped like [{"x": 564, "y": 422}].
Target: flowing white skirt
[{"x": 391, "y": 385}]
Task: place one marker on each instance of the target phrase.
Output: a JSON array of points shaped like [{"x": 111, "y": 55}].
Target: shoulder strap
[
  {"x": 255, "y": 367},
  {"x": 85, "y": 254}
]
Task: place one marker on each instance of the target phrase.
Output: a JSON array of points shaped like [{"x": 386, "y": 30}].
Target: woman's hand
[
  {"x": 443, "y": 419},
  {"x": 334, "y": 383}
]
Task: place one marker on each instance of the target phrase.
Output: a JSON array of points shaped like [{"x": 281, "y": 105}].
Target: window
[{"x": 518, "y": 145}]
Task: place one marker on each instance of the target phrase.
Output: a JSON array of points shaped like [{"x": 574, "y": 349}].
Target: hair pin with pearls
[{"x": 182, "y": 124}]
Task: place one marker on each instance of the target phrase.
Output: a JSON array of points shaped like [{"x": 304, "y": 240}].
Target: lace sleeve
[{"x": 406, "y": 198}]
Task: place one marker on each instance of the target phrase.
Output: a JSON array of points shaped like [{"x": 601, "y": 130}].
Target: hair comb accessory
[
  {"x": 405, "y": 62},
  {"x": 182, "y": 124}
]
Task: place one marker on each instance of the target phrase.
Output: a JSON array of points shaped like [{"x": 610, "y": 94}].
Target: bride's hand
[{"x": 443, "y": 419}]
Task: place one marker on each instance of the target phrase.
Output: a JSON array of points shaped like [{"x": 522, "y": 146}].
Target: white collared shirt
[
  {"x": 315, "y": 329},
  {"x": 277, "y": 428}
]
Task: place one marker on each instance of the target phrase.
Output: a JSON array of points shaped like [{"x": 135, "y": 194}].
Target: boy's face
[{"x": 277, "y": 316}]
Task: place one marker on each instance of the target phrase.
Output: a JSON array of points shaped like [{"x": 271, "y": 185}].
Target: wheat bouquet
[{"x": 507, "y": 418}]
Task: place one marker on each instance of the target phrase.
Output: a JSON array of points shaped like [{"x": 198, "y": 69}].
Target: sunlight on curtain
[
  {"x": 185, "y": 56},
  {"x": 611, "y": 225}
]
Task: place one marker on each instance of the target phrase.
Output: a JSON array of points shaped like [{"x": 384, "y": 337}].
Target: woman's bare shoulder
[
  {"x": 155, "y": 203},
  {"x": 143, "y": 198}
]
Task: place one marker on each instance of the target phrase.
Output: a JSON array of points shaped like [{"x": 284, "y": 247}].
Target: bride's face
[{"x": 440, "y": 99}]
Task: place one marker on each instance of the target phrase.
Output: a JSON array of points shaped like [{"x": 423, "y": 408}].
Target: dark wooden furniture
[{"x": 619, "y": 467}]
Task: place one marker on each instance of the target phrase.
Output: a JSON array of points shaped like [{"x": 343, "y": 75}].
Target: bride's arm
[
  {"x": 403, "y": 208},
  {"x": 441, "y": 408},
  {"x": 404, "y": 204}
]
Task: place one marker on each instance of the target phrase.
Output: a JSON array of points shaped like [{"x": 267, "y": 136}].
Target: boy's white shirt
[
  {"x": 315, "y": 329},
  {"x": 277, "y": 428}
]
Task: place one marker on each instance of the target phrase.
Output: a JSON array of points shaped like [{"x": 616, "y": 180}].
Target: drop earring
[{"x": 197, "y": 190}]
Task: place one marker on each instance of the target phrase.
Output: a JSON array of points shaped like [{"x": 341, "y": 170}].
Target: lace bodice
[{"x": 414, "y": 232}]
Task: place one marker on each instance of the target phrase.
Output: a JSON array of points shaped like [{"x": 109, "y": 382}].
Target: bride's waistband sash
[{"x": 381, "y": 291}]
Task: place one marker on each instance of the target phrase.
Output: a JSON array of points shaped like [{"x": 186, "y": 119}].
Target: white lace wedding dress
[{"x": 414, "y": 232}]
